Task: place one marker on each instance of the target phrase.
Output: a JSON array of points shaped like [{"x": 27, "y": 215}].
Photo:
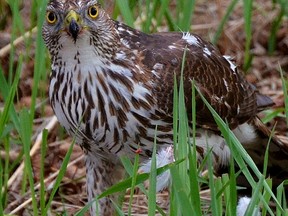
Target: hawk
[{"x": 111, "y": 85}]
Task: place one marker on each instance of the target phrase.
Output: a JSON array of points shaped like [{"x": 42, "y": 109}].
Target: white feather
[
  {"x": 242, "y": 206},
  {"x": 192, "y": 40},
  {"x": 163, "y": 157},
  {"x": 207, "y": 51},
  {"x": 245, "y": 133},
  {"x": 229, "y": 60}
]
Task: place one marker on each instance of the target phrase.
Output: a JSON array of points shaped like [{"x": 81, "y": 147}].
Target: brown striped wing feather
[{"x": 234, "y": 99}]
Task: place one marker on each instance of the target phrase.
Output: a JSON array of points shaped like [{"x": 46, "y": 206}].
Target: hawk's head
[{"x": 78, "y": 23}]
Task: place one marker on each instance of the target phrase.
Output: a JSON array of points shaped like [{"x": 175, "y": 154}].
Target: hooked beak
[{"x": 73, "y": 24}]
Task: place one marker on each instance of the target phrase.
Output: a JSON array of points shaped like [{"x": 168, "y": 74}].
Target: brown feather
[{"x": 233, "y": 98}]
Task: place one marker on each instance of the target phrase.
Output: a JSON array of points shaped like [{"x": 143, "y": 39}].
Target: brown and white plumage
[{"x": 111, "y": 85}]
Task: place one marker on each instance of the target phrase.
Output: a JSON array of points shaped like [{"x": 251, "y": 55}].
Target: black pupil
[
  {"x": 51, "y": 16},
  {"x": 93, "y": 11}
]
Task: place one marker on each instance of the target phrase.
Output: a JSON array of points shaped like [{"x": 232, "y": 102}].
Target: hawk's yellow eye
[
  {"x": 51, "y": 17},
  {"x": 93, "y": 11}
]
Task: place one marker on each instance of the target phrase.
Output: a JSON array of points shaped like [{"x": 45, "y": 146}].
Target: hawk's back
[{"x": 216, "y": 76}]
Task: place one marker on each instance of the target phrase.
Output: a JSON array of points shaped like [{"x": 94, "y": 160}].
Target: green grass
[
  {"x": 248, "y": 8},
  {"x": 17, "y": 126},
  {"x": 223, "y": 21},
  {"x": 276, "y": 24}
]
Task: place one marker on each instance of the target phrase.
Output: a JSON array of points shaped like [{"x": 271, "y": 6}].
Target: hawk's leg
[{"x": 101, "y": 174}]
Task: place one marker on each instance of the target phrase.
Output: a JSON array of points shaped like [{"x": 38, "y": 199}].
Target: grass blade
[
  {"x": 126, "y": 12},
  {"x": 253, "y": 205},
  {"x": 192, "y": 157},
  {"x": 26, "y": 133},
  {"x": 281, "y": 198},
  {"x": 212, "y": 187},
  {"x": 267, "y": 196},
  {"x": 284, "y": 87},
  {"x": 133, "y": 182},
  {"x": 163, "y": 8},
  {"x": 4, "y": 89},
  {"x": 42, "y": 162},
  {"x": 271, "y": 114},
  {"x": 59, "y": 177},
  {"x": 118, "y": 210},
  {"x": 188, "y": 10},
  {"x": 9, "y": 100},
  {"x": 152, "y": 183},
  {"x": 232, "y": 189},
  {"x": 248, "y": 4},
  {"x": 180, "y": 193},
  {"x": 40, "y": 62},
  {"x": 224, "y": 20},
  {"x": 276, "y": 25},
  {"x": 181, "y": 147}
]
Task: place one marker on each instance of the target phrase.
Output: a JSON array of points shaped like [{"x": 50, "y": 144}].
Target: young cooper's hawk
[{"x": 111, "y": 85}]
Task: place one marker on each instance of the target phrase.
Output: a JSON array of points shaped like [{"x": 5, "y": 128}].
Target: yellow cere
[{"x": 72, "y": 15}]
